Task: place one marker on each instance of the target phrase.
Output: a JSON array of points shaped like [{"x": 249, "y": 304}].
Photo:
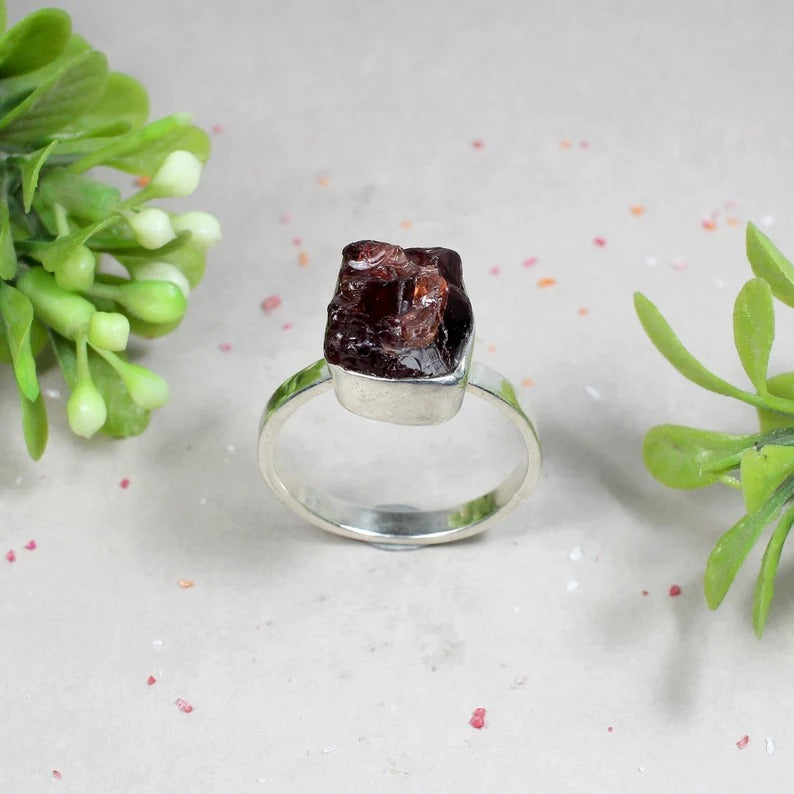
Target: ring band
[
  {"x": 388, "y": 525},
  {"x": 398, "y": 349}
]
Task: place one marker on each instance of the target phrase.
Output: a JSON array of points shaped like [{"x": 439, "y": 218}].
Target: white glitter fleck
[
  {"x": 516, "y": 609},
  {"x": 18, "y": 480},
  {"x": 575, "y": 553},
  {"x": 261, "y": 780},
  {"x": 719, "y": 283},
  {"x": 767, "y": 221},
  {"x": 230, "y": 447},
  {"x": 770, "y": 747},
  {"x": 641, "y": 768},
  {"x": 591, "y": 391},
  {"x": 572, "y": 585},
  {"x": 331, "y": 749},
  {"x": 157, "y": 643},
  {"x": 53, "y": 394},
  {"x": 651, "y": 261},
  {"x": 203, "y": 500}
]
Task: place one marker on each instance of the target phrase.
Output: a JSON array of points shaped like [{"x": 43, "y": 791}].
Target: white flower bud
[
  {"x": 179, "y": 175},
  {"x": 204, "y": 228},
  {"x": 152, "y": 227},
  {"x": 86, "y": 409},
  {"x": 161, "y": 271}
]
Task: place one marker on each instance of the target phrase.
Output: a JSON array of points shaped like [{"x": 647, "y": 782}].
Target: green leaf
[
  {"x": 34, "y": 424},
  {"x": 769, "y": 264},
  {"x": 53, "y": 253},
  {"x": 128, "y": 248},
  {"x": 125, "y": 418},
  {"x": 780, "y": 386},
  {"x": 8, "y": 254},
  {"x": 83, "y": 198},
  {"x": 754, "y": 330},
  {"x": 34, "y": 41},
  {"x": 763, "y": 470},
  {"x": 669, "y": 345},
  {"x": 17, "y": 317},
  {"x": 30, "y": 169},
  {"x": 124, "y": 101},
  {"x": 3, "y": 15},
  {"x": 687, "y": 458},
  {"x": 765, "y": 584},
  {"x": 142, "y": 152},
  {"x": 25, "y": 83},
  {"x": 60, "y": 99},
  {"x": 734, "y": 546}
]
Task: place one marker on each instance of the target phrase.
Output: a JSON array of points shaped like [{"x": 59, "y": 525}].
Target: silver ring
[{"x": 426, "y": 400}]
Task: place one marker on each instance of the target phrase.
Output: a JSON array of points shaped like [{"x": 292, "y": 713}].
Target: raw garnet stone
[{"x": 398, "y": 313}]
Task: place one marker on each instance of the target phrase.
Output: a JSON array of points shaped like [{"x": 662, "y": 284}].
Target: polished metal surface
[{"x": 399, "y": 402}]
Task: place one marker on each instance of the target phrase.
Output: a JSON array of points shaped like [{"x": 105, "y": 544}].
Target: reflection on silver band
[{"x": 397, "y": 525}]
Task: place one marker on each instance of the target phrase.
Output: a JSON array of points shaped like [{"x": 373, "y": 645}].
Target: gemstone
[{"x": 398, "y": 313}]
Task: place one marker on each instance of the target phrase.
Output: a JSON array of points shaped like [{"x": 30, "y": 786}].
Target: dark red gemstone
[{"x": 398, "y": 313}]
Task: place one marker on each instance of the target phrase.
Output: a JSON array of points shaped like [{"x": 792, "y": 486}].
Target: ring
[{"x": 398, "y": 349}]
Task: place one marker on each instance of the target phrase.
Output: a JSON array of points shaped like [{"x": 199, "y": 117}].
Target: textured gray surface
[{"x": 315, "y": 664}]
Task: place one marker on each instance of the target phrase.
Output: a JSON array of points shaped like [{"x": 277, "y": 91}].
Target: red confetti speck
[
  {"x": 477, "y": 144},
  {"x": 495, "y": 270},
  {"x": 217, "y": 129},
  {"x": 303, "y": 258},
  {"x": 610, "y": 729},
  {"x": 599, "y": 241},
  {"x": 125, "y": 483},
  {"x": 675, "y": 590},
  {"x": 477, "y": 719},
  {"x": 183, "y": 706},
  {"x": 142, "y": 181},
  {"x": 224, "y": 347},
  {"x": 645, "y": 592},
  {"x": 31, "y": 545},
  {"x": 286, "y": 326},
  {"x": 743, "y": 742},
  {"x": 583, "y": 311},
  {"x": 56, "y": 774},
  {"x": 709, "y": 224},
  {"x": 546, "y": 282},
  {"x": 270, "y": 303},
  {"x": 10, "y": 556},
  {"x": 529, "y": 261},
  {"x": 151, "y": 680},
  {"x": 296, "y": 241}
]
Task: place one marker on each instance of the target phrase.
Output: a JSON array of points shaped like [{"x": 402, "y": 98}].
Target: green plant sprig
[
  {"x": 760, "y": 464},
  {"x": 62, "y": 113}
]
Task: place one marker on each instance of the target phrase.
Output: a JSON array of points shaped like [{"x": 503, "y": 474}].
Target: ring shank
[{"x": 397, "y": 525}]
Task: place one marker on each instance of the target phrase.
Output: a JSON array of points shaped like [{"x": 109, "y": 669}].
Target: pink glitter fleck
[
  {"x": 477, "y": 144},
  {"x": 599, "y": 241},
  {"x": 183, "y": 706},
  {"x": 10, "y": 556},
  {"x": 151, "y": 680},
  {"x": 270, "y": 303},
  {"x": 495, "y": 270},
  {"x": 125, "y": 483},
  {"x": 285, "y": 217},
  {"x": 56, "y": 774},
  {"x": 529, "y": 261},
  {"x": 296, "y": 240},
  {"x": 645, "y": 592},
  {"x": 224, "y": 347},
  {"x": 675, "y": 590},
  {"x": 679, "y": 265},
  {"x": 217, "y": 129},
  {"x": 584, "y": 144},
  {"x": 477, "y": 719},
  {"x": 610, "y": 729},
  {"x": 31, "y": 545},
  {"x": 743, "y": 742},
  {"x": 286, "y": 326}
]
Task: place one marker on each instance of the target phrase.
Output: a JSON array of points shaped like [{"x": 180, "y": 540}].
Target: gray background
[{"x": 315, "y": 664}]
